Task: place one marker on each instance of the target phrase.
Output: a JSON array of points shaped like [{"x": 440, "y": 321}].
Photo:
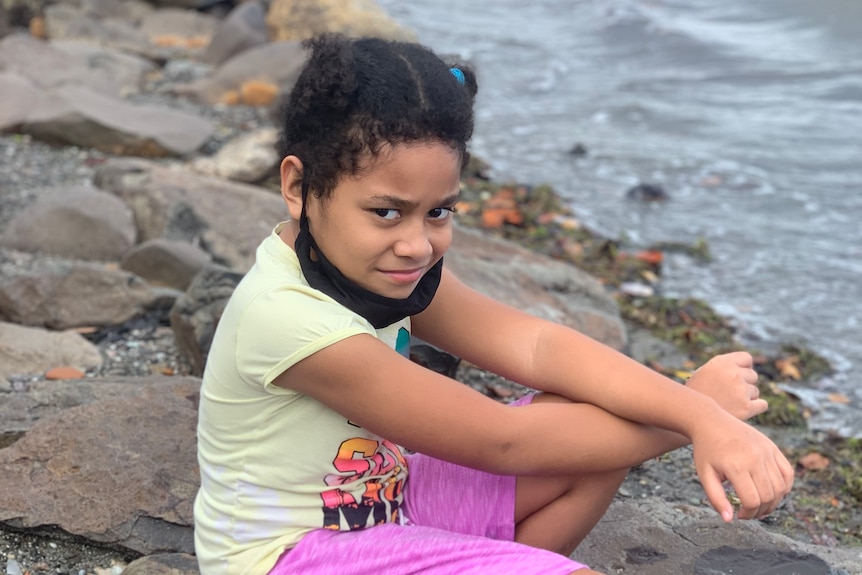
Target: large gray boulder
[
  {"x": 89, "y": 119},
  {"x": 249, "y": 158},
  {"x": 165, "y": 262},
  {"x": 20, "y": 97},
  {"x": 196, "y": 313},
  {"x": 47, "y": 67},
  {"x": 652, "y": 537},
  {"x": 68, "y": 22},
  {"x": 75, "y": 222},
  {"x": 277, "y": 64},
  {"x": 75, "y": 294},
  {"x": 21, "y": 407},
  {"x": 33, "y": 351},
  {"x": 121, "y": 471},
  {"x": 226, "y": 219},
  {"x": 536, "y": 284},
  {"x": 127, "y": 71},
  {"x": 244, "y": 28},
  {"x": 300, "y": 19}
]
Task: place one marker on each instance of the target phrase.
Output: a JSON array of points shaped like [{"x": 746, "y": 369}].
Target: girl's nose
[{"x": 414, "y": 243}]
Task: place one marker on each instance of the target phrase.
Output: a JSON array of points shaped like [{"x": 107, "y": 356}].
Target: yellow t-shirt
[{"x": 274, "y": 463}]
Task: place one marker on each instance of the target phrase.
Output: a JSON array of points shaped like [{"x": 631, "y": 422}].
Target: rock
[
  {"x": 249, "y": 158},
  {"x": 244, "y": 28},
  {"x": 64, "y": 22},
  {"x": 166, "y": 262},
  {"x": 578, "y": 150},
  {"x": 20, "y": 98},
  {"x": 4, "y": 22},
  {"x": 63, "y": 373},
  {"x": 22, "y": 407},
  {"x": 652, "y": 537},
  {"x": 47, "y": 67},
  {"x": 128, "y": 26},
  {"x": 76, "y": 222},
  {"x": 20, "y": 12},
  {"x": 93, "y": 120},
  {"x": 171, "y": 27},
  {"x": 637, "y": 289},
  {"x": 73, "y": 295},
  {"x": 178, "y": 204},
  {"x": 131, "y": 10},
  {"x": 647, "y": 193},
  {"x": 121, "y": 471},
  {"x": 536, "y": 284},
  {"x": 300, "y": 19},
  {"x": 645, "y": 347},
  {"x": 164, "y": 564},
  {"x": 277, "y": 63},
  {"x": 126, "y": 70},
  {"x": 186, "y": 4},
  {"x": 32, "y": 351},
  {"x": 196, "y": 313}
]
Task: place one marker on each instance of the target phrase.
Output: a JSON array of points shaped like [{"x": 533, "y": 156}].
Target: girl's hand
[
  {"x": 733, "y": 451},
  {"x": 730, "y": 380}
]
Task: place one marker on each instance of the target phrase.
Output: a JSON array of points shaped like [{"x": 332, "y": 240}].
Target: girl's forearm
[
  {"x": 574, "y": 366},
  {"x": 565, "y": 438}
]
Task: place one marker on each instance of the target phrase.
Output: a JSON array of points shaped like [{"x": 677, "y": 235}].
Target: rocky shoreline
[{"x": 135, "y": 134}]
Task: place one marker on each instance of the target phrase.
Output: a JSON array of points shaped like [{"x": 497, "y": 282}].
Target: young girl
[{"x": 309, "y": 403}]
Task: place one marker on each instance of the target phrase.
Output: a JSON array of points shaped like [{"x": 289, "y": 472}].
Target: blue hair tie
[{"x": 459, "y": 75}]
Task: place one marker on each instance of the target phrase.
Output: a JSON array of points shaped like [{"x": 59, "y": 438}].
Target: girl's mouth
[{"x": 404, "y": 276}]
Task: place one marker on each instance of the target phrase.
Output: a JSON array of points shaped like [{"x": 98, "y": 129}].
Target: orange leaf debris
[
  {"x": 787, "y": 367},
  {"x": 652, "y": 257}
]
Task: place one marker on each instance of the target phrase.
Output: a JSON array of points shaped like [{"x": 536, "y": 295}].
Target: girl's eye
[
  {"x": 387, "y": 213},
  {"x": 441, "y": 213}
]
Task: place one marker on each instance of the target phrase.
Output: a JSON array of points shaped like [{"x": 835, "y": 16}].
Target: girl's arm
[{"x": 554, "y": 358}]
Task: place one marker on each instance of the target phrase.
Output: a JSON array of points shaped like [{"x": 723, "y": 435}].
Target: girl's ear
[{"x": 291, "y": 185}]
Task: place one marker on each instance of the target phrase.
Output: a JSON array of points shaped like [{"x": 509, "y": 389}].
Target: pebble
[
  {"x": 637, "y": 289},
  {"x": 12, "y": 568}
]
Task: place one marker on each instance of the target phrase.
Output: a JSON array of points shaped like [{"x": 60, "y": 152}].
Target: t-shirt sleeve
[{"x": 284, "y": 326}]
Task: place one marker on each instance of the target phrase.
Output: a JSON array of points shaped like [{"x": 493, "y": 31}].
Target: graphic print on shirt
[{"x": 382, "y": 467}]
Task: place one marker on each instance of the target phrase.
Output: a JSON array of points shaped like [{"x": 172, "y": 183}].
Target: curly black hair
[{"x": 355, "y": 96}]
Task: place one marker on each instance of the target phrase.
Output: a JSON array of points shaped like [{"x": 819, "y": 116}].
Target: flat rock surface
[
  {"x": 652, "y": 537},
  {"x": 536, "y": 284},
  {"x": 121, "y": 470}
]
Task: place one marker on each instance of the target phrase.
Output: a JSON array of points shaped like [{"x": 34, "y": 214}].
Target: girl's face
[{"x": 388, "y": 225}]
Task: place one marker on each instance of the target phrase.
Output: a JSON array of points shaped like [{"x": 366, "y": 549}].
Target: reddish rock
[{"x": 64, "y": 372}]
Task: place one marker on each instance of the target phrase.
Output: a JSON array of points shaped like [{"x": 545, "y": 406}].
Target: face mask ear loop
[{"x": 303, "y": 219}]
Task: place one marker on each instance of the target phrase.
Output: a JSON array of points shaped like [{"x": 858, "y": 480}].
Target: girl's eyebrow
[{"x": 403, "y": 204}]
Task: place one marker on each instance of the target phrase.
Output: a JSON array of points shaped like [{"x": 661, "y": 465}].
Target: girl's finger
[{"x": 714, "y": 491}]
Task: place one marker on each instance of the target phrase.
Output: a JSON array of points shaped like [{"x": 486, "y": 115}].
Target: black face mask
[{"x": 379, "y": 310}]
